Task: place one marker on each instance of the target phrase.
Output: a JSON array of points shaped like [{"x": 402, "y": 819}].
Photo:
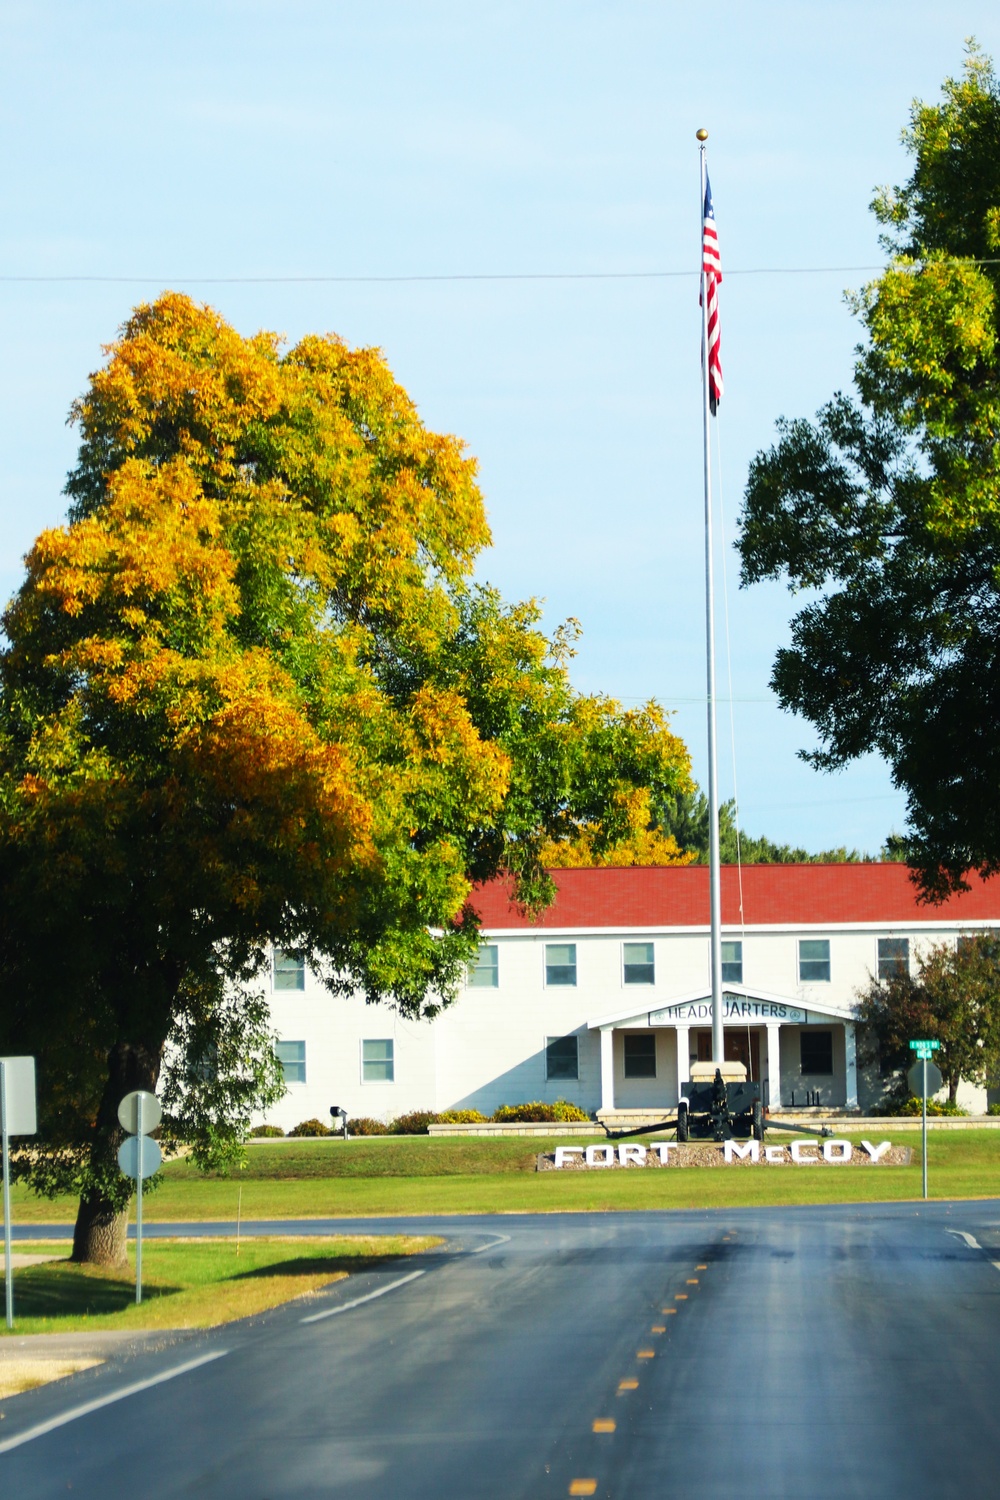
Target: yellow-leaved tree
[{"x": 249, "y": 696}]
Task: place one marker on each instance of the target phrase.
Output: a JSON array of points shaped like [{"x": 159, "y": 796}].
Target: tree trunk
[{"x": 100, "y": 1235}]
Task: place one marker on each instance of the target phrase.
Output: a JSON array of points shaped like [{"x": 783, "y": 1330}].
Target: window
[
  {"x": 893, "y": 957},
  {"x": 816, "y": 1055},
  {"x": 732, "y": 962},
  {"x": 814, "y": 959},
  {"x": 289, "y": 972},
  {"x": 484, "y": 970},
  {"x": 640, "y": 966},
  {"x": 377, "y": 1064},
  {"x": 292, "y": 1057},
  {"x": 560, "y": 963},
  {"x": 562, "y": 1058},
  {"x": 640, "y": 1054}
]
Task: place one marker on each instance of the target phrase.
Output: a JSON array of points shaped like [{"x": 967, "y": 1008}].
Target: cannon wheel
[
  {"x": 758, "y": 1121},
  {"x": 682, "y": 1122}
]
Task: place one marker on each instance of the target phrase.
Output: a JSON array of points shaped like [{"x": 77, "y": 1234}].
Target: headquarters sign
[{"x": 736, "y": 1008}]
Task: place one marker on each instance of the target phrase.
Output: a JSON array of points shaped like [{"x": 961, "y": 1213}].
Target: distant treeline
[{"x": 685, "y": 816}]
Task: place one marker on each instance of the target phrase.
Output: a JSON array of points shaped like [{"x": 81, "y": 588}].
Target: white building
[{"x": 604, "y": 999}]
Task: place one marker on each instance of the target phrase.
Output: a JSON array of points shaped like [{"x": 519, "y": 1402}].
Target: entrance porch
[{"x": 646, "y": 1057}]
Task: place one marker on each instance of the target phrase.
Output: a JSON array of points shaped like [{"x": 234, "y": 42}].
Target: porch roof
[{"x": 777, "y": 1003}]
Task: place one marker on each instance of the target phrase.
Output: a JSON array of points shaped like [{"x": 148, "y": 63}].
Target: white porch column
[
  {"x": 851, "y": 1057},
  {"x": 774, "y": 1066},
  {"x": 683, "y": 1057},
  {"x": 607, "y": 1069}
]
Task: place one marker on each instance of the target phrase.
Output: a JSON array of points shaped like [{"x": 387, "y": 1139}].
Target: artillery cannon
[{"x": 720, "y": 1102}]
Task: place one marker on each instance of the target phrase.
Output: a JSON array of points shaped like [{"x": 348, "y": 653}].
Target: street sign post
[
  {"x": 139, "y": 1157},
  {"x": 925, "y": 1050},
  {"x": 18, "y": 1116}
]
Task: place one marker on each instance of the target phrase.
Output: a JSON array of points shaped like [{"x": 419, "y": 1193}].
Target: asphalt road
[{"x": 792, "y": 1354}]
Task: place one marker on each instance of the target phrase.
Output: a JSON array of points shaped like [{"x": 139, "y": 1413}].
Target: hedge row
[{"x": 416, "y": 1123}]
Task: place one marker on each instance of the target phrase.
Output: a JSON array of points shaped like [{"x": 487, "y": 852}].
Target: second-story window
[
  {"x": 484, "y": 970},
  {"x": 560, "y": 963},
  {"x": 639, "y": 963},
  {"x": 732, "y": 961},
  {"x": 289, "y": 972},
  {"x": 893, "y": 957},
  {"x": 814, "y": 960}
]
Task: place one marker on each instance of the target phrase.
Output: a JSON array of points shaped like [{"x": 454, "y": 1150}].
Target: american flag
[{"x": 711, "y": 265}]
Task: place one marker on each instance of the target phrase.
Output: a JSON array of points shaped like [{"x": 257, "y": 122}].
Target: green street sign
[{"x": 924, "y": 1048}]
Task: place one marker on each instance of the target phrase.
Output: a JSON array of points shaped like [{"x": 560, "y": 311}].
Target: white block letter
[
  {"x": 632, "y": 1153},
  {"x": 876, "y": 1151},
  {"x": 836, "y": 1151},
  {"x": 600, "y": 1156},
  {"x": 563, "y": 1154},
  {"x": 798, "y": 1158},
  {"x": 733, "y": 1150},
  {"x": 774, "y": 1153},
  {"x": 664, "y": 1148}
]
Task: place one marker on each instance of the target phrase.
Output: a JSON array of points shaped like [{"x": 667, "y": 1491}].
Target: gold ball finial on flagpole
[{"x": 701, "y": 135}]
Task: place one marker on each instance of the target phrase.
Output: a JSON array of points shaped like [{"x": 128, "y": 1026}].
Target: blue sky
[{"x": 182, "y": 144}]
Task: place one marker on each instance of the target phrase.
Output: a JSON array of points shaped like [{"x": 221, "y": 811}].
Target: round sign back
[
  {"x": 128, "y": 1112},
  {"x": 915, "y": 1078},
  {"x": 139, "y": 1157}
]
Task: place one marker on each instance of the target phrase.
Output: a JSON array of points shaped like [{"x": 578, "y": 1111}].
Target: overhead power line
[{"x": 472, "y": 276}]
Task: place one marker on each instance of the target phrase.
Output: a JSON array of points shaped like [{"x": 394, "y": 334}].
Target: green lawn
[
  {"x": 189, "y": 1284},
  {"x": 418, "y": 1175}
]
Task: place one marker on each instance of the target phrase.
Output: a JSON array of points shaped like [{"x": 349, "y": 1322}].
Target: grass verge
[
  {"x": 190, "y": 1283},
  {"x": 424, "y": 1176}
]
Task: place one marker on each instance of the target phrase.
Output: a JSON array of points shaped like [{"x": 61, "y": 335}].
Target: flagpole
[{"x": 714, "y": 872}]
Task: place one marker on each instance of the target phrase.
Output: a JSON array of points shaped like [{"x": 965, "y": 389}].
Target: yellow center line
[
  {"x": 701, "y": 1268},
  {"x": 646, "y": 1354},
  {"x": 658, "y": 1328},
  {"x": 680, "y": 1296},
  {"x": 630, "y": 1384},
  {"x": 583, "y": 1487},
  {"x": 604, "y": 1424},
  {"x": 668, "y": 1310},
  {"x": 692, "y": 1281}
]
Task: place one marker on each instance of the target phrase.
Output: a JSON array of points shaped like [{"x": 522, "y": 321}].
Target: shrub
[
  {"x": 415, "y": 1123},
  {"x": 561, "y": 1112},
  {"x": 310, "y": 1127},
  {"x": 934, "y": 1107},
  {"x": 365, "y": 1125},
  {"x": 462, "y": 1117},
  {"x": 993, "y": 1109},
  {"x": 267, "y": 1130}
]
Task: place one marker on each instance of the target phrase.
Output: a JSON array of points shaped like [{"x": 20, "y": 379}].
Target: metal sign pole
[
  {"x": 924, "y": 1123},
  {"x": 7, "y": 1251},
  {"x": 138, "y": 1202}
]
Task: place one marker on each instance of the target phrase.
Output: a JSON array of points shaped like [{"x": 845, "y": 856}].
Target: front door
[{"x": 742, "y": 1044}]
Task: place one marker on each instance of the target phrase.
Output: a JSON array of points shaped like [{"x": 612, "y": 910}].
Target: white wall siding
[{"x": 488, "y": 1048}]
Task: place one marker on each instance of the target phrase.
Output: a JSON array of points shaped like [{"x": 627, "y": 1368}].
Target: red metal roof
[{"x": 773, "y": 895}]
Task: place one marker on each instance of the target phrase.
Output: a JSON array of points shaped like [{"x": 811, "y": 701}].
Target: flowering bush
[{"x": 561, "y": 1112}]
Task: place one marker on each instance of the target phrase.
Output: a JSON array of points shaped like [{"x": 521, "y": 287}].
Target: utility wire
[{"x": 473, "y": 276}]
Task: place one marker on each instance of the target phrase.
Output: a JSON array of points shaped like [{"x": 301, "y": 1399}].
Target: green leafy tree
[
  {"x": 684, "y": 818},
  {"x": 953, "y": 998},
  {"x": 886, "y": 509},
  {"x": 249, "y": 696}
]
